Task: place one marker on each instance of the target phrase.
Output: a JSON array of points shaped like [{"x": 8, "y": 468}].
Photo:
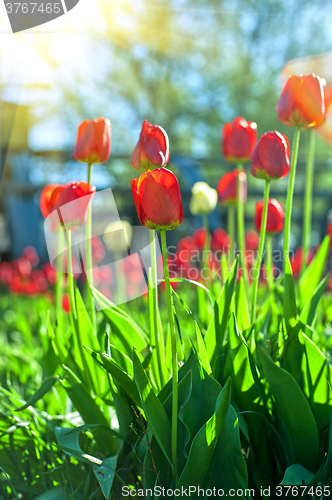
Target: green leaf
[
  {"x": 312, "y": 275},
  {"x": 215, "y": 334},
  {"x": 309, "y": 310},
  {"x": 228, "y": 466},
  {"x": 296, "y": 474},
  {"x": 294, "y": 410},
  {"x": 105, "y": 474},
  {"x": 87, "y": 427},
  {"x": 317, "y": 382},
  {"x": 241, "y": 306},
  {"x": 43, "y": 389},
  {"x": 290, "y": 308},
  {"x": 89, "y": 411},
  {"x": 118, "y": 374},
  {"x": 153, "y": 409},
  {"x": 52, "y": 494},
  {"x": 204, "y": 442}
]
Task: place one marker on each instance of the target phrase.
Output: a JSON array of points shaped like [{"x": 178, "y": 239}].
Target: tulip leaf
[
  {"x": 294, "y": 409},
  {"x": 105, "y": 474},
  {"x": 241, "y": 306},
  {"x": 296, "y": 474},
  {"x": 204, "y": 442},
  {"x": 312, "y": 275},
  {"x": 125, "y": 331},
  {"x": 153, "y": 409},
  {"x": 215, "y": 334},
  {"x": 309, "y": 310},
  {"x": 43, "y": 389},
  {"x": 89, "y": 410},
  {"x": 317, "y": 382},
  {"x": 228, "y": 466},
  {"x": 118, "y": 374}
]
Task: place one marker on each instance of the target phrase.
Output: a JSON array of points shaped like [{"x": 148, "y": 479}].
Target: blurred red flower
[
  {"x": 152, "y": 149},
  {"x": 199, "y": 238},
  {"x": 66, "y": 303},
  {"x": 30, "y": 253},
  {"x": 275, "y": 216},
  {"x": 252, "y": 240},
  {"x": 227, "y": 187},
  {"x": 93, "y": 143},
  {"x": 157, "y": 199},
  {"x": 270, "y": 158},
  {"x": 220, "y": 241},
  {"x": 296, "y": 261},
  {"x": 302, "y": 101},
  {"x": 238, "y": 140}
]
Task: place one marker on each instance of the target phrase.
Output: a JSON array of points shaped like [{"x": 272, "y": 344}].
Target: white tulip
[
  {"x": 117, "y": 236},
  {"x": 204, "y": 199}
]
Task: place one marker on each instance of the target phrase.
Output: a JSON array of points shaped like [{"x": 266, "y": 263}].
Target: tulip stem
[
  {"x": 59, "y": 279},
  {"x": 308, "y": 199},
  {"x": 174, "y": 357},
  {"x": 88, "y": 252},
  {"x": 231, "y": 232},
  {"x": 257, "y": 265},
  {"x": 206, "y": 251},
  {"x": 269, "y": 262},
  {"x": 289, "y": 202},
  {"x": 156, "y": 337},
  {"x": 73, "y": 311},
  {"x": 240, "y": 228},
  {"x": 70, "y": 275}
]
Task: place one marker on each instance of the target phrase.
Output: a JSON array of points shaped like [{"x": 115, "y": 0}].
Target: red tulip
[
  {"x": 199, "y": 238},
  {"x": 72, "y": 203},
  {"x": 6, "y": 273},
  {"x": 66, "y": 303},
  {"x": 50, "y": 273},
  {"x": 275, "y": 216},
  {"x": 296, "y": 261},
  {"x": 48, "y": 198},
  {"x": 157, "y": 199},
  {"x": 227, "y": 187},
  {"x": 252, "y": 240},
  {"x": 220, "y": 240},
  {"x": 302, "y": 101},
  {"x": 270, "y": 158},
  {"x": 152, "y": 149},
  {"x": 238, "y": 140},
  {"x": 30, "y": 253},
  {"x": 22, "y": 266},
  {"x": 93, "y": 143}
]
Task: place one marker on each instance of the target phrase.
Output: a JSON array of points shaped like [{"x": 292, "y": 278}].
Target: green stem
[
  {"x": 308, "y": 199},
  {"x": 206, "y": 251},
  {"x": 70, "y": 276},
  {"x": 231, "y": 232},
  {"x": 240, "y": 228},
  {"x": 59, "y": 279},
  {"x": 73, "y": 311},
  {"x": 88, "y": 255},
  {"x": 269, "y": 262},
  {"x": 289, "y": 202},
  {"x": 257, "y": 265},
  {"x": 157, "y": 340},
  {"x": 174, "y": 357}
]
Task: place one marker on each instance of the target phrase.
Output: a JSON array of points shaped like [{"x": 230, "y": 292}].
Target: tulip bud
[
  {"x": 152, "y": 149},
  {"x": 157, "y": 199},
  {"x": 238, "y": 140},
  {"x": 275, "y": 216},
  {"x": 227, "y": 187},
  {"x": 270, "y": 157},
  {"x": 204, "y": 199},
  {"x": 93, "y": 143},
  {"x": 302, "y": 101},
  {"x": 117, "y": 236}
]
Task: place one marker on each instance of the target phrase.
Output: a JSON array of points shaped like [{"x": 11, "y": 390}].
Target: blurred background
[{"x": 187, "y": 65}]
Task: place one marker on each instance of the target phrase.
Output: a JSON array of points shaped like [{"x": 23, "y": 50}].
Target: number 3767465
[{"x": 31, "y": 7}]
